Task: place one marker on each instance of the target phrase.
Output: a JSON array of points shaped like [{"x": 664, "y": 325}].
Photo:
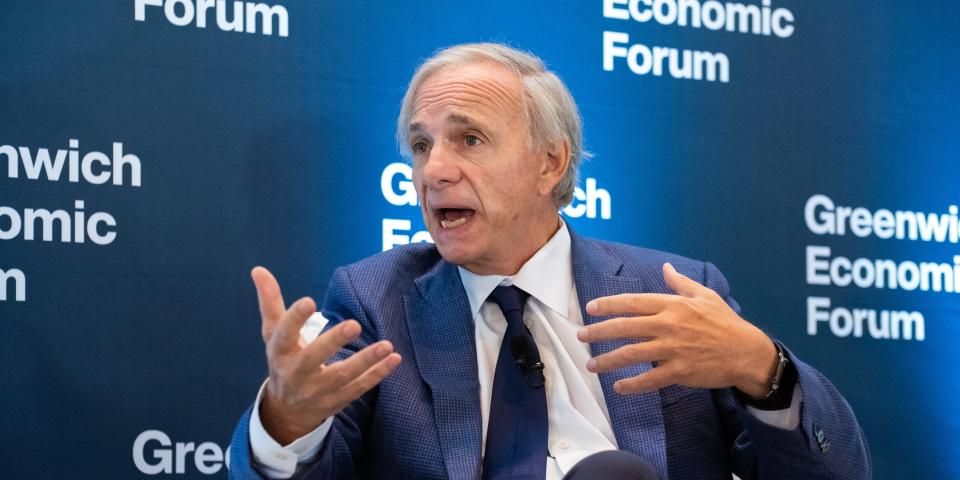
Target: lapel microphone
[{"x": 527, "y": 359}]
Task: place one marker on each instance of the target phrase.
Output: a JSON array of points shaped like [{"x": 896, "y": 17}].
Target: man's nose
[{"x": 440, "y": 168}]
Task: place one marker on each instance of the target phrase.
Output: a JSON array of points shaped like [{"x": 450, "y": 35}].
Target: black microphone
[
  {"x": 612, "y": 464},
  {"x": 527, "y": 359}
]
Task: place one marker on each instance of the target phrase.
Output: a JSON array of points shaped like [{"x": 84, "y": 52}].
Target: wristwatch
[{"x": 782, "y": 382}]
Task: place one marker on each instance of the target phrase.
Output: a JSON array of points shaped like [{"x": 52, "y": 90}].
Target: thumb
[{"x": 680, "y": 283}]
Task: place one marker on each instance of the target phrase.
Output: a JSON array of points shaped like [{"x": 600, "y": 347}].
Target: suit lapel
[
  {"x": 442, "y": 333},
  {"x": 637, "y": 419}
]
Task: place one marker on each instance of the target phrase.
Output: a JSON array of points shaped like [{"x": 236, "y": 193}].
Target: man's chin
[{"x": 455, "y": 254}]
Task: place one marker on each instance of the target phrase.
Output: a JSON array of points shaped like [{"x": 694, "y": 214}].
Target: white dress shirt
[{"x": 579, "y": 424}]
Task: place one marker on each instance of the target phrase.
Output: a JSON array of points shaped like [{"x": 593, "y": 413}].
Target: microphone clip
[{"x": 533, "y": 371}]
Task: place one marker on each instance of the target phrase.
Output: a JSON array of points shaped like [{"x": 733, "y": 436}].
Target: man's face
[{"x": 483, "y": 192}]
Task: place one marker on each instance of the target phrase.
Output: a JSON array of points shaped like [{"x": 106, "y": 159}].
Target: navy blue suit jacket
[{"x": 423, "y": 421}]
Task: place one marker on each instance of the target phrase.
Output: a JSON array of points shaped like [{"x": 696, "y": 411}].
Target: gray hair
[{"x": 549, "y": 108}]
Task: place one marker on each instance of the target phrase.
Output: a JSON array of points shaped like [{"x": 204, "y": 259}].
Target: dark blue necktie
[{"x": 517, "y": 429}]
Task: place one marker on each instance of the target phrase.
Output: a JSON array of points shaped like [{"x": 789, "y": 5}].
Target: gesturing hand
[
  {"x": 695, "y": 337},
  {"x": 303, "y": 390}
]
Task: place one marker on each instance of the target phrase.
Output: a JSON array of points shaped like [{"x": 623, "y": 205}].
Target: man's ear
[{"x": 554, "y": 164}]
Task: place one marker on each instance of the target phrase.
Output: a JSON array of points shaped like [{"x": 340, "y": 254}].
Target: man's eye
[
  {"x": 419, "y": 147},
  {"x": 472, "y": 140}
]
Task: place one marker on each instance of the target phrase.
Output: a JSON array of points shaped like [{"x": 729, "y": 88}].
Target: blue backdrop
[{"x": 134, "y": 351}]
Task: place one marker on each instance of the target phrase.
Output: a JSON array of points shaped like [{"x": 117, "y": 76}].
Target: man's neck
[
  {"x": 540, "y": 236},
  {"x": 546, "y": 276}
]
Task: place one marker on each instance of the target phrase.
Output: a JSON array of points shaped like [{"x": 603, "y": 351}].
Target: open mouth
[{"x": 454, "y": 217}]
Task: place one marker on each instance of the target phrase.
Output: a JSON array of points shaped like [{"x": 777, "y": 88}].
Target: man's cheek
[
  {"x": 418, "y": 188},
  {"x": 427, "y": 223}
]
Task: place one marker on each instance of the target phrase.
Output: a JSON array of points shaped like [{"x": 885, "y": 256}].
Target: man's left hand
[{"x": 696, "y": 339}]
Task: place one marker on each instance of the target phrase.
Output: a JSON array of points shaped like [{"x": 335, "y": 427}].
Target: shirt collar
[{"x": 547, "y": 276}]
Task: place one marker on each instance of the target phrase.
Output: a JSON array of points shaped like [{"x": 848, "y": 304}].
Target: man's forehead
[{"x": 470, "y": 91}]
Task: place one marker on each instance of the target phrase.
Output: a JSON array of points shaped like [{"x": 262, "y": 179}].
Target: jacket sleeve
[
  {"x": 828, "y": 443},
  {"x": 343, "y": 446}
]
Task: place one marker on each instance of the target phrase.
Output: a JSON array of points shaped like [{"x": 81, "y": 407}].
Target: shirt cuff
[
  {"x": 280, "y": 462},
  {"x": 786, "y": 419}
]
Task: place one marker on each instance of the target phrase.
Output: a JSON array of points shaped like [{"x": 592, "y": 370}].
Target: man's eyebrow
[
  {"x": 460, "y": 119},
  {"x": 454, "y": 118}
]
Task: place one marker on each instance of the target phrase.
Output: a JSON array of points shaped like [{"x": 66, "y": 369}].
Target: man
[{"x": 513, "y": 348}]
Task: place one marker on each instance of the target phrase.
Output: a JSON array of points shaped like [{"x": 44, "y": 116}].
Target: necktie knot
[{"x": 511, "y": 300}]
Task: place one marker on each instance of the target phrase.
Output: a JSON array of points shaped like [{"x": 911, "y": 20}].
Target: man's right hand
[{"x": 303, "y": 390}]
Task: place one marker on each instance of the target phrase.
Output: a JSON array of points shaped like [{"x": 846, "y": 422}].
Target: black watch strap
[{"x": 782, "y": 384}]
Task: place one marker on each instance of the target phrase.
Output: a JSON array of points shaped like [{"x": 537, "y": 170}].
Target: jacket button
[{"x": 821, "y": 438}]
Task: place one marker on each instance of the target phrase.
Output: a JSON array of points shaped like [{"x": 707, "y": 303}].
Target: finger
[
  {"x": 622, "y": 327},
  {"x": 629, "y": 355},
  {"x": 653, "y": 379},
  {"x": 629, "y": 303},
  {"x": 680, "y": 283},
  {"x": 329, "y": 342},
  {"x": 286, "y": 335},
  {"x": 269, "y": 298},
  {"x": 346, "y": 371},
  {"x": 368, "y": 379}
]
